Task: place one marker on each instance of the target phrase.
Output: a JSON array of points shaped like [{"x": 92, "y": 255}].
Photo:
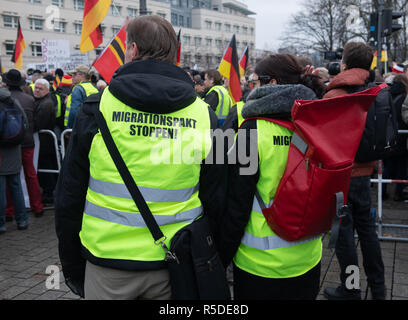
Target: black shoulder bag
[{"x": 195, "y": 268}]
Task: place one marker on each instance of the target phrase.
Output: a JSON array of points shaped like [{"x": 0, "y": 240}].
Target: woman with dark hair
[
  {"x": 265, "y": 265},
  {"x": 216, "y": 95},
  {"x": 395, "y": 167}
]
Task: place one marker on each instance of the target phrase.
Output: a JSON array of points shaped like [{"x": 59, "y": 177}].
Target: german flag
[
  {"x": 19, "y": 48},
  {"x": 229, "y": 68},
  {"x": 178, "y": 49},
  {"x": 243, "y": 62},
  {"x": 384, "y": 58},
  {"x": 56, "y": 82},
  {"x": 113, "y": 56},
  {"x": 94, "y": 12}
]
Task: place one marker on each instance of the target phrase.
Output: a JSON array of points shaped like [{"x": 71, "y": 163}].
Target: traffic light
[
  {"x": 373, "y": 36},
  {"x": 388, "y": 26}
]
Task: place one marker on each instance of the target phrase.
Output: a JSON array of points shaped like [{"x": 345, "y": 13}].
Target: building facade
[{"x": 206, "y": 27}]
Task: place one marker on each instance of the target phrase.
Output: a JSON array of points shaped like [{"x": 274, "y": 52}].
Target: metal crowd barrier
[
  {"x": 63, "y": 133},
  {"x": 57, "y": 155},
  {"x": 380, "y": 224}
]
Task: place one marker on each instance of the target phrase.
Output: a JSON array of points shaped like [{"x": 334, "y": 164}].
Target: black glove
[{"x": 76, "y": 286}]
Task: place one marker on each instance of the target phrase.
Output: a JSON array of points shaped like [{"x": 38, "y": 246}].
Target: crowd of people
[
  {"x": 46, "y": 99},
  {"x": 106, "y": 251}
]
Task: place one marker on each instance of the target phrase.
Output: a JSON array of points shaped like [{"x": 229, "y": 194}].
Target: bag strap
[
  {"x": 130, "y": 183},
  {"x": 341, "y": 211}
]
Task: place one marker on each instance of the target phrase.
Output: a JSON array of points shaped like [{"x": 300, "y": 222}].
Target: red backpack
[{"x": 312, "y": 193}]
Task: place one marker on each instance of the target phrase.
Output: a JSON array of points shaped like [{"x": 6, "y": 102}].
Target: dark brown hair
[
  {"x": 403, "y": 79},
  {"x": 215, "y": 75},
  {"x": 357, "y": 55},
  {"x": 155, "y": 38},
  {"x": 285, "y": 69}
]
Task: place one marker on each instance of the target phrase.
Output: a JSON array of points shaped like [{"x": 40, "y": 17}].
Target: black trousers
[
  {"x": 250, "y": 287},
  {"x": 359, "y": 199}
]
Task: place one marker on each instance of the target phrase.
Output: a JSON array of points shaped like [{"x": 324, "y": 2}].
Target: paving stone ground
[{"x": 25, "y": 257}]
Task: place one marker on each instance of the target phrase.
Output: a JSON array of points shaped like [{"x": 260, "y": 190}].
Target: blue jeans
[
  {"x": 16, "y": 192},
  {"x": 359, "y": 199}
]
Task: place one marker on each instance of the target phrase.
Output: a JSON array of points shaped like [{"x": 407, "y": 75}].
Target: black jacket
[
  {"x": 27, "y": 102},
  {"x": 273, "y": 101},
  {"x": 152, "y": 86},
  {"x": 398, "y": 94}
]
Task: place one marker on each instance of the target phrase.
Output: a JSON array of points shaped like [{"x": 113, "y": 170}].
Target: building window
[
  {"x": 34, "y": 1},
  {"x": 218, "y": 43},
  {"x": 174, "y": 19},
  {"x": 9, "y": 46},
  {"x": 218, "y": 26},
  {"x": 197, "y": 41},
  {"x": 36, "y": 49},
  {"x": 238, "y": 44},
  {"x": 244, "y": 30},
  {"x": 208, "y": 42},
  {"x": 103, "y": 30},
  {"x": 181, "y": 21},
  {"x": 163, "y": 15},
  {"x": 10, "y": 21},
  {"x": 208, "y": 24},
  {"x": 79, "y": 4},
  {"x": 78, "y": 28},
  {"x": 132, "y": 13},
  {"x": 115, "y": 10},
  {"x": 236, "y": 29},
  {"x": 198, "y": 58},
  {"x": 188, "y": 24},
  {"x": 186, "y": 40},
  {"x": 115, "y": 29},
  {"x": 58, "y": 3},
  {"x": 59, "y": 26},
  {"x": 252, "y": 31},
  {"x": 227, "y": 28},
  {"x": 36, "y": 24}
]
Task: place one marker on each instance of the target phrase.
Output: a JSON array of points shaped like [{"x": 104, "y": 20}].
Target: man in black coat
[{"x": 44, "y": 119}]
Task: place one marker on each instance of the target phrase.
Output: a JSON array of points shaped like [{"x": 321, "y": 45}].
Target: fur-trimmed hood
[{"x": 275, "y": 100}]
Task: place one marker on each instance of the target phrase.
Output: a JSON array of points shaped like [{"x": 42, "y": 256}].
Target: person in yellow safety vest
[
  {"x": 37, "y": 74},
  {"x": 216, "y": 95},
  {"x": 106, "y": 250},
  {"x": 82, "y": 89},
  {"x": 234, "y": 118},
  {"x": 266, "y": 266}
]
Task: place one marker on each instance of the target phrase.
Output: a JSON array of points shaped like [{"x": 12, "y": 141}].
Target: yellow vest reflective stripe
[
  {"x": 224, "y": 101},
  {"x": 240, "y": 106},
  {"x": 89, "y": 89},
  {"x": 67, "y": 109},
  {"x": 59, "y": 105},
  {"x": 262, "y": 252},
  {"x": 112, "y": 227},
  {"x": 32, "y": 86}
]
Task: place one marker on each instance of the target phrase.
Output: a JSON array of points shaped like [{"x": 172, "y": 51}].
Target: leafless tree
[{"x": 324, "y": 25}]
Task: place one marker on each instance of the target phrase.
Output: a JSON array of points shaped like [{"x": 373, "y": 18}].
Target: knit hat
[{"x": 66, "y": 81}]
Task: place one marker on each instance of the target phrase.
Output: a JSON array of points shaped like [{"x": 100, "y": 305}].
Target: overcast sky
[{"x": 271, "y": 17}]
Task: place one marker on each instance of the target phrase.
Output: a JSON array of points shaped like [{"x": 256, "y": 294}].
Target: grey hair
[{"x": 44, "y": 82}]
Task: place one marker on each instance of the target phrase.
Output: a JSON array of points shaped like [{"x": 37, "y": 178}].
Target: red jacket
[{"x": 338, "y": 87}]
